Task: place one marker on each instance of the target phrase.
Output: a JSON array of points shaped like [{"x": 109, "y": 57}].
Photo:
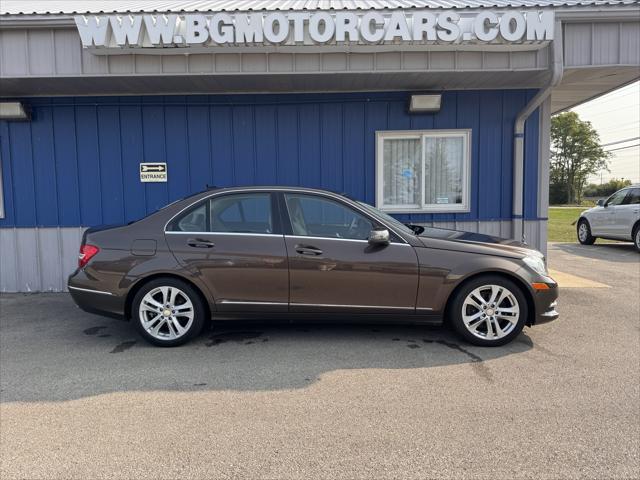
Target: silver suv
[{"x": 616, "y": 218}]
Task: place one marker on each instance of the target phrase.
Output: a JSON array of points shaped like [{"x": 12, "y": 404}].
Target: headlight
[{"x": 536, "y": 264}]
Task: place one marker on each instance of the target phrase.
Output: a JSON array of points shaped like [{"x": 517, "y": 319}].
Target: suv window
[
  {"x": 238, "y": 213},
  {"x": 634, "y": 197},
  {"x": 617, "y": 198},
  {"x": 315, "y": 216}
]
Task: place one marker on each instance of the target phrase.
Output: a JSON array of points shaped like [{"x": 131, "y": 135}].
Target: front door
[
  {"x": 627, "y": 214},
  {"x": 234, "y": 242},
  {"x": 332, "y": 266},
  {"x": 608, "y": 223}
]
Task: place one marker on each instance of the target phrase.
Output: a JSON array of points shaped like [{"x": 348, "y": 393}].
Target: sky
[{"x": 616, "y": 117}]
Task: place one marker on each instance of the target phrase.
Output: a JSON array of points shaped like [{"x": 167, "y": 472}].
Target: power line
[
  {"x": 620, "y": 141},
  {"x": 622, "y": 148}
]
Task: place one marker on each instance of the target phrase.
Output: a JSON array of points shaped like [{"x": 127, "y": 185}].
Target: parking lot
[{"x": 84, "y": 397}]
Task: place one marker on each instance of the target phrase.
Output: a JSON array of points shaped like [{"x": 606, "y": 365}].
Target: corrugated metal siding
[
  {"x": 14, "y": 7},
  {"x": 76, "y": 163},
  {"x": 37, "y": 259},
  {"x": 37, "y": 52},
  {"x": 41, "y": 259},
  {"x": 603, "y": 43}
]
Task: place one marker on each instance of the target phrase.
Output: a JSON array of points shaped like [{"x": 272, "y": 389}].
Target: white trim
[
  {"x": 382, "y": 135},
  {"x": 332, "y": 305},
  {"x": 237, "y": 302},
  {"x": 89, "y": 290},
  {"x": 307, "y": 237},
  {"x": 2, "y": 212},
  {"x": 227, "y": 233}
]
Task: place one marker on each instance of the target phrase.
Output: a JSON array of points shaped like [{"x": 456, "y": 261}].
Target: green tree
[
  {"x": 575, "y": 155},
  {"x": 606, "y": 189}
]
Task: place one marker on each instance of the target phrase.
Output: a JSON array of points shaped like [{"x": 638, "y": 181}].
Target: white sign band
[{"x": 317, "y": 28}]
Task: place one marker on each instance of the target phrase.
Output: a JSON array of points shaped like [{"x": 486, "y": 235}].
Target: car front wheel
[
  {"x": 584, "y": 233},
  {"x": 489, "y": 311},
  {"x": 636, "y": 238},
  {"x": 168, "y": 312}
]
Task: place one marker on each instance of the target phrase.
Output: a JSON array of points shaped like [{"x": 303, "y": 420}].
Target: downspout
[{"x": 518, "y": 141}]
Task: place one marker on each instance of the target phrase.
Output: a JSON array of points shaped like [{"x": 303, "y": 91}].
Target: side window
[
  {"x": 314, "y": 216},
  {"x": 634, "y": 197},
  {"x": 193, "y": 221},
  {"x": 617, "y": 198},
  {"x": 242, "y": 213}
]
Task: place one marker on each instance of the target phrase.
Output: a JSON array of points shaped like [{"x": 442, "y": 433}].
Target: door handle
[
  {"x": 308, "y": 250},
  {"x": 199, "y": 243}
]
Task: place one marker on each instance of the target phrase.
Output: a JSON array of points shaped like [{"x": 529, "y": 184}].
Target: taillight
[{"x": 87, "y": 252}]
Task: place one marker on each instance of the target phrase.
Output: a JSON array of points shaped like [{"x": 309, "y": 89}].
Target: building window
[{"x": 423, "y": 171}]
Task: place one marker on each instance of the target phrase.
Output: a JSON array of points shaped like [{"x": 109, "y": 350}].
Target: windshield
[{"x": 397, "y": 224}]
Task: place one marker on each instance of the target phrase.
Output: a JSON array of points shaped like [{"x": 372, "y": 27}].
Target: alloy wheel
[
  {"x": 490, "y": 312},
  {"x": 583, "y": 232},
  {"x": 166, "y": 313}
]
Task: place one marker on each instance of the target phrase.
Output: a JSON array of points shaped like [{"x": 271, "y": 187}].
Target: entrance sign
[
  {"x": 315, "y": 28},
  {"x": 153, "y": 172}
]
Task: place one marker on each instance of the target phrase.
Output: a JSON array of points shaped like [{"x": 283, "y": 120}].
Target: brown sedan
[{"x": 304, "y": 254}]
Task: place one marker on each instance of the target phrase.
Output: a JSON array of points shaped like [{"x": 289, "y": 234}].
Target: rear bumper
[{"x": 91, "y": 298}]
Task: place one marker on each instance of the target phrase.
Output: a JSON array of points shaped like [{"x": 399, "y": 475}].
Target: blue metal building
[{"x": 302, "y": 113}]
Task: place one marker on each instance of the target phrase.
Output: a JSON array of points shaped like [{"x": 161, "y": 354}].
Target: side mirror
[
  {"x": 600, "y": 202},
  {"x": 379, "y": 236}
]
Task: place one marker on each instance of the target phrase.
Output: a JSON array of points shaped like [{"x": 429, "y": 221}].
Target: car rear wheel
[
  {"x": 584, "y": 233},
  {"x": 636, "y": 238},
  {"x": 168, "y": 312},
  {"x": 489, "y": 311}
]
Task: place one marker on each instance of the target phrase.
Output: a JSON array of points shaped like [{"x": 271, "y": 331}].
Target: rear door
[
  {"x": 332, "y": 266},
  {"x": 234, "y": 242},
  {"x": 608, "y": 225}
]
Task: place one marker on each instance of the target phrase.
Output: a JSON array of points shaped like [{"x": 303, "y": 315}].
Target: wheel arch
[
  {"x": 143, "y": 281},
  {"x": 526, "y": 291}
]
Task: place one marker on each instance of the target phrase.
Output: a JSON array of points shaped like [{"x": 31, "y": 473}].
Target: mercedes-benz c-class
[{"x": 304, "y": 254}]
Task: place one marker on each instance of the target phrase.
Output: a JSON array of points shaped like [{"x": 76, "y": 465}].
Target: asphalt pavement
[{"x": 82, "y": 396}]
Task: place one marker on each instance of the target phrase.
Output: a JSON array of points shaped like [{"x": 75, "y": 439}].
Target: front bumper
[{"x": 546, "y": 302}]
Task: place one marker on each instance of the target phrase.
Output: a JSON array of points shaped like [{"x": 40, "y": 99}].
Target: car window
[
  {"x": 634, "y": 197},
  {"x": 314, "y": 216},
  {"x": 242, "y": 213},
  {"x": 193, "y": 221},
  {"x": 238, "y": 213},
  {"x": 617, "y": 198}
]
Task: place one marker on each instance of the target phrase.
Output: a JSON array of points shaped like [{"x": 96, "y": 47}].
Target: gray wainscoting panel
[
  {"x": 38, "y": 259},
  {"x": 41, "y": 259}
]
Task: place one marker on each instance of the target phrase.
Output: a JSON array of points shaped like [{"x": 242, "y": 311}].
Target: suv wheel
[
  {"x": 584, "y": 233},
  {"x": 636, "y": 237},
  {"x": 168, "y": 312},
  {"x": 489, "y": 311}
]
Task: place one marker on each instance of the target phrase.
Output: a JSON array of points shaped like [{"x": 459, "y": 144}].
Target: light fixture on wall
[
  {"x": 14, "y": 111},
  {"x": 425, "y": 103}
]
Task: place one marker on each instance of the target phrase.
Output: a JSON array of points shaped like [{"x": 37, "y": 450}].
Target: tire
[
  {"x": 168, "y": 312},
  {"x": 583, "y": 232},
  {"x": 476, "y": 330},
  {"x": 636, "y": 237}
]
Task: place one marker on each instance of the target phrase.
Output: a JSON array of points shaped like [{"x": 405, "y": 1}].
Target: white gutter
[{"x": 518, "y": 140}]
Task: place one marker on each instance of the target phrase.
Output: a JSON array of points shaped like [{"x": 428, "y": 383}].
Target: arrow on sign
[{"x": 156, "y": 168}]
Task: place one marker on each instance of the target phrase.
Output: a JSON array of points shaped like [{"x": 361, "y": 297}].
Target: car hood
[{"x": 478, "y": 242}]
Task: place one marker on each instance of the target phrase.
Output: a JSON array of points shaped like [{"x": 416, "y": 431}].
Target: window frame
[
  {"x": 273, "y": 202},
  {"x": 464, "y": 207},
  {"x": 374, "y": 223}
]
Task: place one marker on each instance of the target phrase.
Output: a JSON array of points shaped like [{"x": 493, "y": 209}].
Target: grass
[
  {"x": 560, "y": 228},
  {"x": 560, "y": 220}
]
